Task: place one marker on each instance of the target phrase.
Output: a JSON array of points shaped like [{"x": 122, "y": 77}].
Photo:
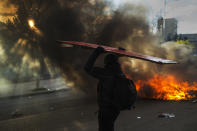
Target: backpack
[{"x": 124, "y": 93}]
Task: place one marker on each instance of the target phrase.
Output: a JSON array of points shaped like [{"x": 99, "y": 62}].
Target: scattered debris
[
  {"x": 16, "y": 114},
  {"x": 166, "y": 115},
  {"x": 194, "y": 101},
  {"x": 29, "y": 97},
  {"x": 138, "y": 117},
  {"x": 51, "y": 108}
]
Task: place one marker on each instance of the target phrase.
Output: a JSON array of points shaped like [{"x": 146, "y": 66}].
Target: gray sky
[{"x": 185, "y": 11}]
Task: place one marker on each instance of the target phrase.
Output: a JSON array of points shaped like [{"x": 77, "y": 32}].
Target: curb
[{"x": 34, "y": 93}]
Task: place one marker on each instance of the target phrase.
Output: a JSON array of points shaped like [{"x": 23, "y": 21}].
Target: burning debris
[
  {"x": 175, "y": 82},
  {"x": 166, "y": 87}
]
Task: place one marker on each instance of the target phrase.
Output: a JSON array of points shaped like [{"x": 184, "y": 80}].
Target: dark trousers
[{"x": 106, "y": 118}]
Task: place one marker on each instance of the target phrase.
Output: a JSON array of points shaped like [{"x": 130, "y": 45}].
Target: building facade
[
  {"x": 167, "y": 30},
  {"x": 170, "y": 29},
  {"x": 191, "y": 37}
]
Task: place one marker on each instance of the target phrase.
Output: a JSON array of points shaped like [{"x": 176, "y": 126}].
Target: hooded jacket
[{"x": 105, "y": 75}]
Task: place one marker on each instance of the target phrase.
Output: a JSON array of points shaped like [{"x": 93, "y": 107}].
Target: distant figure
[{"x": 108, "y": 112}]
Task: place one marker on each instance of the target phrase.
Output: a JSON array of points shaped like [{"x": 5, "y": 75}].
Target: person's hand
[{"x": 100, "y": 49}]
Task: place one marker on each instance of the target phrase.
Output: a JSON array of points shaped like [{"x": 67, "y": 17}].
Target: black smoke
[{"x": 83, "y": 20}]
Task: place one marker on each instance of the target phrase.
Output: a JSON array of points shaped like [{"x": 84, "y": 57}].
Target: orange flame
[{"x": 166, "y": 87}]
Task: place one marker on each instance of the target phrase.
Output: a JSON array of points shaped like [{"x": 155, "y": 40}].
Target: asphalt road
[{"x": 68, "y": 111}]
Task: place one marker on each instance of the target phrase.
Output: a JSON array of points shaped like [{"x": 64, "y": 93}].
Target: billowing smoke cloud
[
  {"x": 97, "y": 22},
  {"x": 184, "y": 54}
]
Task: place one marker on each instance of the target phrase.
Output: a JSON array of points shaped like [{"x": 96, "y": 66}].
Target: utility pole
[
  {"x": 164, "y": 13},
  {"x": 164, "y": 19}
]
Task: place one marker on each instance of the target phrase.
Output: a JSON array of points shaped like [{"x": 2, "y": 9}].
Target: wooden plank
[{"x": 119, "y": 51}]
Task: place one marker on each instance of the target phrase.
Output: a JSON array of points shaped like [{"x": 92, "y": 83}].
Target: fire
[{"x": 166, "y": 87}]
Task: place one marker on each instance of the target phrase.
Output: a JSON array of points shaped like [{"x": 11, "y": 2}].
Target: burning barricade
[{"x": 166, "y": 87}]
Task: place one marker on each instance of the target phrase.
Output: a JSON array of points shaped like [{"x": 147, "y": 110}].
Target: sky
[{"x": 183, "y": 10}]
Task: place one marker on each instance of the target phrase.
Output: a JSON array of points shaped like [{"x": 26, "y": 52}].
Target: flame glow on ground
[{"x": 166, "y": 88}]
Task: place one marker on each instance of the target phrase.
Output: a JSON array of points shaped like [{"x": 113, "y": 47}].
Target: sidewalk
[{"x": 9, "y": 90}]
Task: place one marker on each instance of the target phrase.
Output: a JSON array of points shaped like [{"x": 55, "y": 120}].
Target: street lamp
[{"x": 31, "y": 23}]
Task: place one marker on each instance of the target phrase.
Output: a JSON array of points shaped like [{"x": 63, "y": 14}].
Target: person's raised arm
[{"x": 92, "y": 58}]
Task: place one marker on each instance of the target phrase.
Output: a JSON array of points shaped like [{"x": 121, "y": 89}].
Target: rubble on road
[
  {"x": 16, "y": 114},
  {"x": 166, "y": 115}
]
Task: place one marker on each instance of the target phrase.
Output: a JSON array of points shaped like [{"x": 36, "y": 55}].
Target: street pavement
[
  {"x": 8, "y": 89},
  {"x": 74, "y": 111}
]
